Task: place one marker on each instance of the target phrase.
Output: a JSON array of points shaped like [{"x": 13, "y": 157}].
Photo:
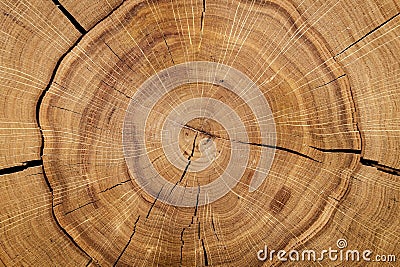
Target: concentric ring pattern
[
  {"x": 159, "y": 134},
  {"x": 195, "y": 133}
]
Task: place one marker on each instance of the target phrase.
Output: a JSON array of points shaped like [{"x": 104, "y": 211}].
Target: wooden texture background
[{"x": 329, "y": 70}]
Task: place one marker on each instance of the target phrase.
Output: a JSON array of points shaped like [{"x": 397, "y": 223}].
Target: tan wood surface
[{"x": 319, "y": 125}]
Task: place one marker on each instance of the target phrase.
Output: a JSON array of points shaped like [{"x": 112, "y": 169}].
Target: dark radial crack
[
  {"x": 193, "y": 147},
  {"x": 202, "y": 16},
  {"x": 119, "y": 58},
  {"x": 69, "y": 16},
  {"x": 114, "y": 186},
  {"x": 84, "y": 205},
  {"x": 338, "y": 150},
  {"x": 282, "y": 149},
  {"x": 331, "y": 197},
  {"x": 25, "y": 165},
  {"x": 169, "y": 50},
  {"x": 198, "y": 230},
  {"x": 157, "y": 158},
  {"x": 204, "y": 253},
  {"x": 191, "y": 223},
  {"x": 2, "y": 262},
  {"x": 154, "y": 202},
  {"x": 380, "y": 167},
  {"x": 213, "y": 227},
  {"x": 129, "y": 241},
  {"x": 251, "y": 143},
  {"x": 369, "y": 33},
  {"x": 341, "y": 76},
  {"x": 66, "y": 110},
  {"x": 197, "y": 204},
  {"x": 189, "y": 160},
  {"x": 182, "y": 244},
  {"x": 55, "y": 205},
  {"x": 183, "y": 173},
  {"x": 202, "y": 131}
]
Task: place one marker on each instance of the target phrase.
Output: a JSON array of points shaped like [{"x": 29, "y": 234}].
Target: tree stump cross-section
[{"x": 199, "y": 133}]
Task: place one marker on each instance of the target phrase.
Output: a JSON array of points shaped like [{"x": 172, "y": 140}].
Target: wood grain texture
[
  {"x": 31, "y": 45},
  {"x": 102, "y": 98},
  {"x": 30, "y": 235}
]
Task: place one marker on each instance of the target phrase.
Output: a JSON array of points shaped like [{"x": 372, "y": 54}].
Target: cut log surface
[{"x": 197, "y": 133}]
